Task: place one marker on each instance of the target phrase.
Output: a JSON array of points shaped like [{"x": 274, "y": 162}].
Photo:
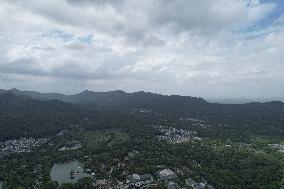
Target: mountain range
[
  {"x": 116, "y": 99},
  {"x": 41, "y": 113}
]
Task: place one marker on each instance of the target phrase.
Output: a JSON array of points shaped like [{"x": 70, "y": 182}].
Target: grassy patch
[{"x": 95, "y": 139}]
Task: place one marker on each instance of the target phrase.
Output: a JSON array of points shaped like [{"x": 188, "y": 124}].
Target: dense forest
[
  {"x": 243, "y": 120},
  {"x": 231, "y": 149}
]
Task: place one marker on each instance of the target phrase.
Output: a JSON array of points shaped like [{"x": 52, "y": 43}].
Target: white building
[{"x": 166, "y": 174}]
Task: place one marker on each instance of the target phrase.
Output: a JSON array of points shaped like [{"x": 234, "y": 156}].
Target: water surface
[{"x": 61, "y": 172}]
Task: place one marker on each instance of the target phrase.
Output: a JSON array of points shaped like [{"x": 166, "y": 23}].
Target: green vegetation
[
  {"x": 222, "y": 165},
  {"x": 234, "y": 151},
  {"x": 99, "y": 138}
]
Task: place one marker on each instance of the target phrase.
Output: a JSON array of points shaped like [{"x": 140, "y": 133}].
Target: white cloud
[{"x": 189, "y": 47}]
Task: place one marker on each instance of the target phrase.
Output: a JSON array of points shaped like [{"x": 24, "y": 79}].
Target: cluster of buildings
[
  {"x": 166, "y": 176},
  {"x": 20, "y": 145},
  {"x": 174, "y": 135},
  {"x": 106, "y": 183},
  {"x": 279, "y": 147},
  {"x": 141, "y": 110},
  {"x": 197, "y": 185},
  {"x": 137, "y": 181},
  {"x": 195, "y": 122}
]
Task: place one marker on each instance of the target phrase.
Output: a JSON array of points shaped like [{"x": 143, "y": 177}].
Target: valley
[{"x": 159, "y": 144}]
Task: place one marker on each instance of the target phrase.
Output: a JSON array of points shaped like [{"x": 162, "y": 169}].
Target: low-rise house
[
  {"x": 101, "y": 183},
  {"x": 139, "y": 180},
  {"x": 200, "y": 185},
  {"x": 195, "y": 185},
  {"x": 121, "y": 164},
  {"x": 209, "y": 186},
  {"x": 173, "y": 185},
  {"x": 166, "y": 174},
  {"x": 106, "y": 184},
  {"x": 279, "y": 147},
  {"x": 133, "y": 153}
]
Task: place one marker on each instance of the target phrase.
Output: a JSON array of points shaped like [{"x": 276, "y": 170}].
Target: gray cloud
[
  {"x": 96, "y": 2},
  {"x": 135, "y": 21},
  {"x": 22, "y": 66},
  {"x": 74, "y": 70},
  {"x": 187, "y": 47}
]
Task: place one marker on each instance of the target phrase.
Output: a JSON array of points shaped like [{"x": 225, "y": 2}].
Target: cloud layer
[{"x": 217, "y": 48}]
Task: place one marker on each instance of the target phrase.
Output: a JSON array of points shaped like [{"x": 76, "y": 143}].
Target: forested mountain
[
  {"x": 119, "y": 99},
  {"x": 38, "y": 95},
  {"x": 230, "y": 146},
  {"x": 23, "y": 116},
  {"x": 241, "y": 120}
]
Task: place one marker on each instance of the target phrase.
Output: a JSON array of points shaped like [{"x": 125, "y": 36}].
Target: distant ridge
[
  {"x": 118, "y": 99},
  {"x": 38, "y": 95},
  {"x": 241, "y": 100},
  {"x": 23, "y": 116},
  {"x": 262, "y": 118}
]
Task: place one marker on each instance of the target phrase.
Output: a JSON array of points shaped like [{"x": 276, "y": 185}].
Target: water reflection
[{"x": 69, "y": 172}]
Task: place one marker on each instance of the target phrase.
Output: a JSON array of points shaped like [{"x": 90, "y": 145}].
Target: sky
[{"x": 210, "y": 49}]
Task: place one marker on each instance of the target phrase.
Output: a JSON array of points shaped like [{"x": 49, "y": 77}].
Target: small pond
[{"x": 62, "y": 173}]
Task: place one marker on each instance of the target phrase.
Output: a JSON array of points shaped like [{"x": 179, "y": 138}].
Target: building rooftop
[{"x": 166, "y": 172}]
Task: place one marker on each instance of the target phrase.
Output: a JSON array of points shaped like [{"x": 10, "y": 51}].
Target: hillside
[
  {"x": 224, "y": 145},
  {"x": 23, "y": 116},
  {"x": 119, "y": 99},
  {"x": 241, "y": 120}
]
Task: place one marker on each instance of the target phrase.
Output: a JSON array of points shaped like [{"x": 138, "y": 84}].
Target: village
[
  {"x": 174, "y": 135},
  {"x": 115, "y": 175},
  {"x": 20, "y": 145},
  {"x": 167, "y": 177},
  {"x": 278, "y": 147},
  {"x": 195, "y": 122},
  {"x": 171, "y": 178}
]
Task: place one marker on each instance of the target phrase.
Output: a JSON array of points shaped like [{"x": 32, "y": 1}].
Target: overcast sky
[{"x": 207, "y": 48}]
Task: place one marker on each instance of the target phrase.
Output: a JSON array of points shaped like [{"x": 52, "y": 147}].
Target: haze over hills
[
  {"x": 241, "y": 100},
  {"x": 216, "y": 135},
  {"x": 24, "y": 116},
  {"x": 262, "y": 118},
  {"x": 116, "y": 98},
  {"x": 152, "y": 94},
  {"x": 97, "y": 97}
]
